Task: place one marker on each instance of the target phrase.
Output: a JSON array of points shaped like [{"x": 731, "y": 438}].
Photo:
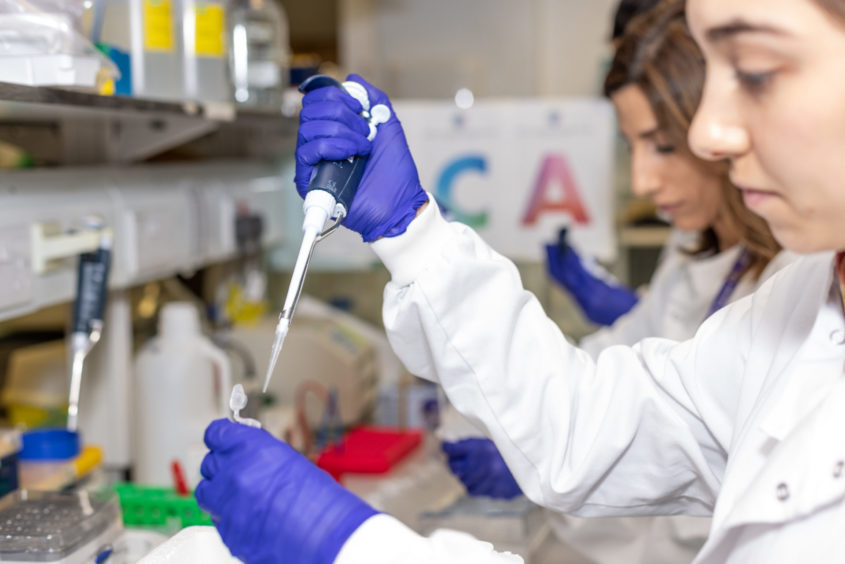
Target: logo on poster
[{"x": 554, "y": 172}]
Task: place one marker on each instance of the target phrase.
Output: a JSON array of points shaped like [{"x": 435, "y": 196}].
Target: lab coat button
[
  {"x": 837, "y": 336},
  {"x": 783, "y": 492},
  {"x": 837, "y": 470}
]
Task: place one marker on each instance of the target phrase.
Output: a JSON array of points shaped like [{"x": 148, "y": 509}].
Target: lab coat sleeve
[
  {"x": 629, "y": 329},
  {"x": 642, "y": 430},
  {"x": 385, "y": 540},
  {"x": 645, "y": 319}
]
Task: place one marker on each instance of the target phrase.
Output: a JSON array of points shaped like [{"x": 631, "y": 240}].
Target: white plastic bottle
[{"x": 182, "y": 383}]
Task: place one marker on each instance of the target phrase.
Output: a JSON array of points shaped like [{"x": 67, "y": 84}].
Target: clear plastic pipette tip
[{"x": 278, "y": 341}]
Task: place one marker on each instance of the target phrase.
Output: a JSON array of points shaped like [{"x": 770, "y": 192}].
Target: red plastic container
[{"x": 368, "y": 450}]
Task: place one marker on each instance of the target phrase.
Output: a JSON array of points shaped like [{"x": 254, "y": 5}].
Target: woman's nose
[
  {"x": 716, "y": 132},
  {"x": 645, "y": 178}
]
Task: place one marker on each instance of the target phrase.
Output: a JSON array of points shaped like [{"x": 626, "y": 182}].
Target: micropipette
[
  {"x": 329, "y": 195},
  {"x": 88, "y": 314}
]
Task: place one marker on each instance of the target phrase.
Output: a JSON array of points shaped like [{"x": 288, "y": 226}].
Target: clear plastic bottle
[
  {"x": 259, "y": 52},
  {"x": 204, "y": 33}
]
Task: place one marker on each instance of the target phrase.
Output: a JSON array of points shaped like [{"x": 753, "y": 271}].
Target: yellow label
[
  {"x": 210, "y": 30},
  {"x": 158, "y": 25}
]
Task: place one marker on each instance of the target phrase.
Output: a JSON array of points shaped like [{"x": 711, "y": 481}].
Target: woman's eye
[
  {"x": 754, "y": 82},
  {"x": 665, "y": 149}
]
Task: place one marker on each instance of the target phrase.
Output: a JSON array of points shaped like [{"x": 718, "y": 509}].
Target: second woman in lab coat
[
  {"x": 719, "y": 252},
  {"x": 743, "y": 422}
]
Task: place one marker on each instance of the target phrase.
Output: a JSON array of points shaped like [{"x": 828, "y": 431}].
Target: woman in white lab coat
[
  {"x": 743, "y": 422},
  {"x": 721, "y": 252}
]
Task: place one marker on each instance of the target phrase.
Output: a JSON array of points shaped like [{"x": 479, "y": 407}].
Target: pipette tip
[{"x": 278, "y": 341}]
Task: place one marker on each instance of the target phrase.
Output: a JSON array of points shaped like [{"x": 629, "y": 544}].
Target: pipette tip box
[{"x": 368, "y": 450}]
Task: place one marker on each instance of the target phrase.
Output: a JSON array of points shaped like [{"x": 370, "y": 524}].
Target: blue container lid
[{"x": 49, "y": 444}]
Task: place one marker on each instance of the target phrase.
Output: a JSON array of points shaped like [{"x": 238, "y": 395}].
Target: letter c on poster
[{"x": 446, "y": 184}]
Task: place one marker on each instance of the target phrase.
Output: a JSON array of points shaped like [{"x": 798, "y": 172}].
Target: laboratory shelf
[
  {"x": 21, "y": 101},
  {"x": 126, "y": 129}
]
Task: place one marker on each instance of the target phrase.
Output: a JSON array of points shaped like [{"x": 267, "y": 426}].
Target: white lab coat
[
  {"x": 743, "y": 422},
  {"x": 679, "y": 297}
]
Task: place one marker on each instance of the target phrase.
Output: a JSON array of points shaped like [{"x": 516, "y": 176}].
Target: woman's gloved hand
[
  {"x": 271, "y": 504},
  {"x": 330, "y": 128},
  {"x": 482, "y": 470},
  {"x": 602, "y": 302}
]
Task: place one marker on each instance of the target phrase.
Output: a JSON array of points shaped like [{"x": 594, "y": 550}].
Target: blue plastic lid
[{"x": 49, "y": 444}]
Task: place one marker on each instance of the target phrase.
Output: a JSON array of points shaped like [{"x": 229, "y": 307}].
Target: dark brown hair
[
  {"x": 835, "y": 8},
  {"x": 658, "y": 54}
]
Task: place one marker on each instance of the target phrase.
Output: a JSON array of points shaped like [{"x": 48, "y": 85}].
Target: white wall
[{"x": 430, "y": 48}]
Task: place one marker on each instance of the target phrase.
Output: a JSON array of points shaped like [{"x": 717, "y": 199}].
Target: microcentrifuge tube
[{"x": 237, "y": 402}]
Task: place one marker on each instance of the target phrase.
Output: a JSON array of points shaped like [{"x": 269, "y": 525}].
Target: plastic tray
[
  {"x": 368, "y": 450},
  {"x": 158, "y": 507},
  {"x": 54, "y": 527}
]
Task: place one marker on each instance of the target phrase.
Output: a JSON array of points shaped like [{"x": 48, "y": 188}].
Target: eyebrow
[
  {"x": 737, "y": 27},
  {"x": 648, "y": 134}
]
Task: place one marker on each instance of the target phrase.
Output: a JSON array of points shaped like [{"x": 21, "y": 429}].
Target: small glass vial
[{"x": 259, "y": 53}]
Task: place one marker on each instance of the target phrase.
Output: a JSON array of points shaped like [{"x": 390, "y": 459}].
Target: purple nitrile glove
[
  {"x": 482, "y": 470},
  {"x": 330, "y": 128},
  {"x": 269, "y": 503},
  {"x": 602, "y": 302}
]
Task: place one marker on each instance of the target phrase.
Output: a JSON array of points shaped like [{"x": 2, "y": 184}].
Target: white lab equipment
[
  {"x": 181, "y": 380},
  {"x": 206, "y": 69},
  {"x": 259, "y": 56},
  {"x": 146, "y": 32},
  {"x": 322, "y": 349}
]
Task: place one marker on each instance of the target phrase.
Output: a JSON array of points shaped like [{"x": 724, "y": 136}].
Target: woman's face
[
  {"x": 774, "y": 106},
  {"x": 680, "y": 187}
]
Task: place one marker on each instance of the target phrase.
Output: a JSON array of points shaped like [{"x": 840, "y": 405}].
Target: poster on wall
[{"x": 516, "y": 171}]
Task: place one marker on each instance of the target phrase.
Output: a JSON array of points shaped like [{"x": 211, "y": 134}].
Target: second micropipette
[
  {"x": 330, "y": 194},
  {"x": 88, "y": 312}
]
